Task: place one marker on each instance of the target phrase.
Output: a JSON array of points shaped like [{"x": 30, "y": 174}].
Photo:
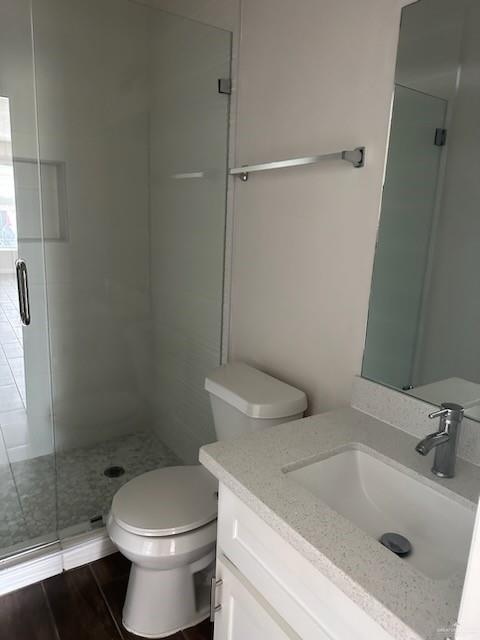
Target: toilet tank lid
[{"x": 255, "y": 393}]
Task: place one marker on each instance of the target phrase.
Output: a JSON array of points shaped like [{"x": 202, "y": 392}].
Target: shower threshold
[{"x": 52, "y": 558}]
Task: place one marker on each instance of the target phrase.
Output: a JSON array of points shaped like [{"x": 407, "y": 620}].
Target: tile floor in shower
[{"x": 63, "y": 492}]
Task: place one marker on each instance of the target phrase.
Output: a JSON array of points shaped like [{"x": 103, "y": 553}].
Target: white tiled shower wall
[
  {"x": 93, "y": 115},
  {"x": 187, "y": 233}
]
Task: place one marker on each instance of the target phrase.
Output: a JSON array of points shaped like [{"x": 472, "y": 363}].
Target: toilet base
[
  {"x": 201, "y": 617},
  {"x": 160, "y": 603}
]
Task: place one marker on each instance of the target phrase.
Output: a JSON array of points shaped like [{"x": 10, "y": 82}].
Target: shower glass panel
[
  {"x": 133, "y": 143},
  {"x": 27, "y": 464}
]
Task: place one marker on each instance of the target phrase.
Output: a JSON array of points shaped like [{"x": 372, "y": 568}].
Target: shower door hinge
[
  {"x": 440, "y": 137},
  {"x": 225, "y": 86}
]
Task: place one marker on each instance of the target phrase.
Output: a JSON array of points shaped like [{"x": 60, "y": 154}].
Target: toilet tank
[{"x": 244, "y": 399}]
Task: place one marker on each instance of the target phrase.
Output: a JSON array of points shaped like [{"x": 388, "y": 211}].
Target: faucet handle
[
  {"x": 450, "y": 409},
  {"x": 438, "y": 413}
]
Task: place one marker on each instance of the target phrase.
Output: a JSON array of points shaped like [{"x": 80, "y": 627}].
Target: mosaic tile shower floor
[{"x": 64, "y": 492}]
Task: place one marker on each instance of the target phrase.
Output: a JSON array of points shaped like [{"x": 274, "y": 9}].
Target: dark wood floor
[{"x": 81, "y": 604}]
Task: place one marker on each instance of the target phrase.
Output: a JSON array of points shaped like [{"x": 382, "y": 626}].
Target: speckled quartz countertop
[{"x": 402, "y": 600}]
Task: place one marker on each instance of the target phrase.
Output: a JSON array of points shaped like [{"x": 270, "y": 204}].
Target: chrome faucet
[{"x": 445, "y": 440}]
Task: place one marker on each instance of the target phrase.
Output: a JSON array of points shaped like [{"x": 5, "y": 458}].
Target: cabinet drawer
[{"x": 312, "y": 605}]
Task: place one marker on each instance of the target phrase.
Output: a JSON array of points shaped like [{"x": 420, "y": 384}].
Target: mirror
[{"x": 423, "y": 332}]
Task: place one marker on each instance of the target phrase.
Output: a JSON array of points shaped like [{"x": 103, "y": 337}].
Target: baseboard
[
  {"x": 30, "y": 569},
  {"x": 68, "y": 554}
]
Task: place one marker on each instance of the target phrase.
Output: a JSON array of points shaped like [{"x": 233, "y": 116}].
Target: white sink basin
[{"x": 379, "y": 498}]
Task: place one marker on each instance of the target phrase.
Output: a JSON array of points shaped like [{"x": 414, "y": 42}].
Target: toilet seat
[{"x": 166, "y": 501}]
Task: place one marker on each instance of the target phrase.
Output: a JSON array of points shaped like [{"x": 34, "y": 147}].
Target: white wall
[
  {"x": 451, "y": 337},
  {"x": 314, "y": 76}
]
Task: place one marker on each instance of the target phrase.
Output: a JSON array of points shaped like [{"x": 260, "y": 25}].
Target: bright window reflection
[{"x": 8, "y": 218}]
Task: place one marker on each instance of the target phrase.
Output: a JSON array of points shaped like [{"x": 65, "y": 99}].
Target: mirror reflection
[{"x": 424, "y": 316}]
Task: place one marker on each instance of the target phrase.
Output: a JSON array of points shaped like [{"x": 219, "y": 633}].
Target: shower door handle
[{"x": 23, "y": 296}]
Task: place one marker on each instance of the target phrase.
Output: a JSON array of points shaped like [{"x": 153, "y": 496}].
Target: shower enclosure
[{"x": 113, "y": 157}]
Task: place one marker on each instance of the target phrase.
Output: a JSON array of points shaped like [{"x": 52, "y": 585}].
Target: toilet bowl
[{"x": 164, "y": 521}]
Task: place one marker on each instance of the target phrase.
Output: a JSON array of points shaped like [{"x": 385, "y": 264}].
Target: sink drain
[
  {"x": 114, "y": 472},
  {"x": 396, "y": 543}
]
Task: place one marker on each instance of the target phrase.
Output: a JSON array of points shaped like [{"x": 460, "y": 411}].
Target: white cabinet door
[
  {"x": 244, "y": 613},
  {"x": 304, "y": 598},
  {"x": 469, "y": 615}
]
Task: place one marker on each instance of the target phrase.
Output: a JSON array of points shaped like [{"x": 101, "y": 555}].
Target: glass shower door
[
  {"x": 133, "y": 140},
  {"x": 113, "y": 172},
  {"x": 27, "y": 463}
]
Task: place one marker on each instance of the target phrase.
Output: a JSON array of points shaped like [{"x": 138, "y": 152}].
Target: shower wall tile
[
  {"x": 93, "y": 104},
  {"x": 187, "y": 225},
  {"x": 177, "y": 435},
  {"x": 135, "y": 281}
]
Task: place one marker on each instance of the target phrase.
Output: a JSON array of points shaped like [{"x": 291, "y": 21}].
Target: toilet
[{"x": 164, "y": 521}]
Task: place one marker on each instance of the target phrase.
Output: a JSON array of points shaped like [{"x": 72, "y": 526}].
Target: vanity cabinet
[
  {"x": 243, "y": 613},
  {"x": 267, "y": 589}
]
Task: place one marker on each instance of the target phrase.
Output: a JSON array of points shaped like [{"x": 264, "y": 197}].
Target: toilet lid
[{"x": 167, "y": 501}]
